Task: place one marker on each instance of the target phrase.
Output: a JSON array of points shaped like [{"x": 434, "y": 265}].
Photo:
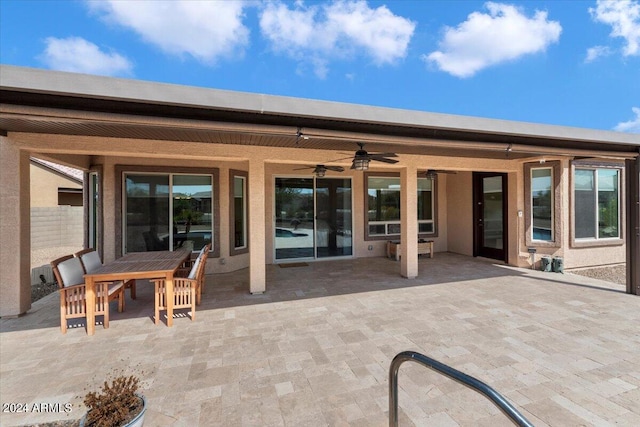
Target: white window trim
[
  {"x": 597, "y": 238},
  {"x": 398, "y": 222},
  {"x": 553, "y": 213}
]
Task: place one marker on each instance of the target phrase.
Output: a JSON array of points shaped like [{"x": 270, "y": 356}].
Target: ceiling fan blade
[
  {"x": 384, "y": 154},
  {"x": 353, "y": 166},
  {"x": 335, "y": 168},
  {"x": 440, "y": 171},
  {"x": 338, "y": 160},
  {"x": 383, "y": 159}
]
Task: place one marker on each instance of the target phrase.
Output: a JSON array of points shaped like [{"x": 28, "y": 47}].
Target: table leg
[
  {"x": 170, "y": 299},
  {"x": 90, "y": 300}
]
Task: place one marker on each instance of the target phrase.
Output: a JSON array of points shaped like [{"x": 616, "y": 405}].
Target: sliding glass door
[
  {"x": 312, "y": 218},
  {"x": 167, "y": 212},
  {"x": 294, "y": 216},
  {"x": 333, "y": 213}
]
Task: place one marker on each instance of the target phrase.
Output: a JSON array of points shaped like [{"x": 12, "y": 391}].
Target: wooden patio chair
[
  {"x": 200, "y": 285},
  {"x": 69, "y": 274},
  {"x": 91, "y": 260},
  {"x": 184, "y": 290}
]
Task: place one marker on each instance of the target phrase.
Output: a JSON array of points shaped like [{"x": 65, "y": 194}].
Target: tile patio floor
[{"x": 314, "y": 350}]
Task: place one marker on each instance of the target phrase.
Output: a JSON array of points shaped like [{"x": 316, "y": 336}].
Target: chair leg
[
  {"x": 132, "y": 289},
  {"x": 63, "y": 318},
  {"x": 106, "y": 317},
  {"x": 193, "y": 305}
]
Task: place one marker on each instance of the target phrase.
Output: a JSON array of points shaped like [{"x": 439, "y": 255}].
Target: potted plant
[{"x": 116, "y": 404}]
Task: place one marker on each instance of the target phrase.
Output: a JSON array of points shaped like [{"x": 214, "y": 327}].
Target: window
[
  {"x": 238, "y": 217},
  {"x": 383, "y": 206},
  {"x": 596, "y": 203},
  {"x": 542, "y": 209},
  {"x": 93, "y": 209},
  {"x": 542, "y": 204},
  {"x": 167, "y": 211}
]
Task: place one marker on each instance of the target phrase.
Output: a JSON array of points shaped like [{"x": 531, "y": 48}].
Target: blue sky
[{"x": 571, "y": 63}]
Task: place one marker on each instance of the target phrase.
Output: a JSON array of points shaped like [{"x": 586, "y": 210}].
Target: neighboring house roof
[
  {"x": 79, "y": 104},
  {"x": 69, "y": 172}
]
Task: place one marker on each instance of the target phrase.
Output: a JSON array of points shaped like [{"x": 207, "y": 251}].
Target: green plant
[{"x": 115, "y": 404}]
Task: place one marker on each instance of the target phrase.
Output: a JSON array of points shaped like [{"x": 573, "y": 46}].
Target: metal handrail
[{"x": 468, "y": 381}]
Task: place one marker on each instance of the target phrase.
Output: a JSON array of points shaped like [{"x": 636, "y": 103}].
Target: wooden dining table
[{"x": 136, "y": 265}]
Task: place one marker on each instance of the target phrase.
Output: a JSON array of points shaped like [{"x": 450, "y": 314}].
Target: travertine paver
[{"x": 315, "y": 349}]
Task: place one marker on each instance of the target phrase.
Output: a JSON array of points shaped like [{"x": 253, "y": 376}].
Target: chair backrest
[
  {"x": 203, "y": 262},
  {"x": 197, "y": 267},
  {"x": 194, "y": 269},
  {"x": 90, "y": 259},
  {"x": 68, "y": 271}
]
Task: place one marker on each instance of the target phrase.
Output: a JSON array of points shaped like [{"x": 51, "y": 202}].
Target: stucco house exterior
[
  {"x": 57, "y": 215},
  {"x": 259, "y": 177}
]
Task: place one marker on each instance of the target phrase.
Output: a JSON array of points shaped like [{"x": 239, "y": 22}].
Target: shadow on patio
[
  {"x": 315, "y": 349},
  {"x": 296, "y": 281}
]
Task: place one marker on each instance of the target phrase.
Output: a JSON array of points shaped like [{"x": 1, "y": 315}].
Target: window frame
[
  {"x": 556, "y": 207},
  {"x": 596, "y": 164},
  {"x": 121, "y": 170},
  {"x": 373, "y": 237},
  {"x": 233, "y": 250},
  {"x": 93, "y": 195}
]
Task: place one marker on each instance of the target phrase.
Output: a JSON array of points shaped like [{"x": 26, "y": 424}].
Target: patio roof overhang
[
  {"x": 49, "y": 102},
  {"x": 46, "y": 102}
]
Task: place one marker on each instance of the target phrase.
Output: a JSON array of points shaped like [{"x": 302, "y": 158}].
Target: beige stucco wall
[
  {"x": 573, "y": 256},
  {"x": 15, "y": 224},
  {"x": 45, "y": 184},
  {"x": 459, "y": 219},
  {"x": 455, "y": 225}
]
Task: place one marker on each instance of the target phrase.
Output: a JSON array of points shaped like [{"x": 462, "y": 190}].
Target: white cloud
[
  {"x": 205, "y": 30},
  {"x": 322, "y": 33},
  {"x": 633, "y": 125},
  {"x": 624, "y": 18},
  {"x": 596, "y": 52},
  {"x": 76, "y": 54},
  {"x": 504, "y": 34}
]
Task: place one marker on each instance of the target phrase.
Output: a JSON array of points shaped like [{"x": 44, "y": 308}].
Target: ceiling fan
[
  {"x": 320, "y": 170},
  {"x": 362, "y": 158},
  {"x": 433, "y": 173}
]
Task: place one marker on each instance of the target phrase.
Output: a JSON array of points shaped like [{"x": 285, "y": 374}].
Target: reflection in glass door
[
  {"x": 294, "y": 218},
  {"x": 312, "y": 218},
  {"x": 333, "y": 214}
]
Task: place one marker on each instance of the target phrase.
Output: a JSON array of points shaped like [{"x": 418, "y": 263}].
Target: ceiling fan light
[
  {"x": 320, "y": 172},
  {"x": 361, "y": 164}
]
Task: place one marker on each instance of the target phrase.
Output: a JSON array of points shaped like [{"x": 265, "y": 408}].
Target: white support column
[
  {"x": 257, "y": 218},
  {"x": 15, "y": 229},
  {"x": 409, "y": 220}
]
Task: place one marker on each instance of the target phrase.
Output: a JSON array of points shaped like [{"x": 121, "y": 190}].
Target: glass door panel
[
  {"x": 492, "y": 212},
  {"x": 146, "y": 213},
  {"x": 192, "y": 211},
  {"x": 490, "y": 227},
  {"x": 333, "y": 215},
  {"x": 294, "y": 218}
]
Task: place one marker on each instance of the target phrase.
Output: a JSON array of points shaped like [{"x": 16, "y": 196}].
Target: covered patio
[
  {"x": 167, "y": 166},
  {"x": 315, "y": 348}
]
